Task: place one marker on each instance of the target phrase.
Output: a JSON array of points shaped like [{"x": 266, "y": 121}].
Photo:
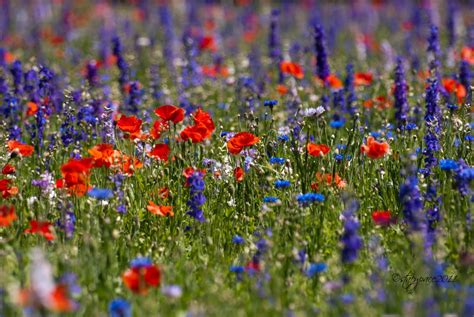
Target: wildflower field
[{"x": 236, "y": 158}]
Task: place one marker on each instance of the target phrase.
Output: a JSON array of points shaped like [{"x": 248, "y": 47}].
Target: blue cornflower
[
  {"x": 270, "y": 199},
  {"x": 101, "y": 193},
  {"x": 238, "y": 239},
  {"x": 140, "y": 261},
  {"x": 410, "y": 126},
  {"x": 337, "y": 123},
  {"x": 469, "y": 138},
  {"x": 283, "y": 138},
  {"x": 448, "y": 164},
  {"x": 277, "y": 160},
  {"x": 305, "y": 199},
  {"x": 270, "y": 103},
  {"x": 315, "y": 268},
  {"x": 119, "y": 307},
  {"x": 281, "y": 183}
]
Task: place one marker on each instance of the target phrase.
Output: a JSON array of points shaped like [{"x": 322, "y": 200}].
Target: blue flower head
[
  {"x": 101, "y": 193},
  {"x": 119, "y": 307}
]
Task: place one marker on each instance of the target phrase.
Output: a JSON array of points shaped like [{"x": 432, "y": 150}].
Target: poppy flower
[
  {"x": 453, "y": 86},
  {"x": 164, "y": 192},
  {"x": 75, "y": 175},
  {"x": 162, "y": 211},
  {"x": 170, "y": 113},
  {"x": 243, "y": 139},
  {"x": 7, "y": 189},
  {"x": 8, "y": 169},
  {"x": 204, "y": 118},
  {"x": 195, "y": 133},
  {"x": 239, "y": 174},
  {"x": 467, "y": 54},
  {"x": 130, "y": 124},
  {"x": 374, "y": 149},
  {"x": 158, "y": 127},
  {"x": 7, "y": 215},
  {"x": 160, "y": 151},
  {"x": 328, "y": 180},
  {"x": 208, "y": 43},
  {"x": 59, "y": 300},
  {"x": 382, "y": 217},
  {"x": 363, "y": 79},
  {"x": 42, "y": 228},
  {"x": 32, "y": 108},
  {"x": 102, "y": 154},
  {"x": 333, "y": 82},
  {"x": 282, "y": 89},
  {"x": 293, "y": 69},
  {"x": 20, "y": 148},
  {"x": 214, "y": 71},
  {"x": 142, "y": 275},
  {"x": 317, "y": 149}
]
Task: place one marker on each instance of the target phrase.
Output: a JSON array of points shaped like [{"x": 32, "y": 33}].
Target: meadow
[{"x": 240, "y": 158}]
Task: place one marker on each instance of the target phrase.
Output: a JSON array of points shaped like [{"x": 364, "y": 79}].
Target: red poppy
[
  {"x": 452, "y": 86},
  {"x": 374, "y": 149},
  {"x": 208, "y": 43},
  {"x": 42, "y": 228},
  {"x": 7, "y": 215},
  {"x": 239, "y": 174},
  {"x": 129, "y": 124},
  {"x": 204, "y": 118},
  {"x": 243, "y": 139},
  {"x": 282, "y": 89},
  {"x": 160, "y": 151},
  {"x": 20, "y": 148},
  {"x": 59, "y": 300},
  {"x": 170, "y": 113},
  {"x": 8, "y": 169},
  {"x": 7, "y": 189},
  {"x": 293, "y": 69},
  {"x": 382, "y": 217},
  {"x": 467, "y": 54},
  {"x": 328, "y": 179},
  {"x": 162, "y": 211},
  {"x": 76, "y": 175},
  {"x": 317, "y": 149},
  {"x": 214, "y": 71},
  {"x": 363, "y": 79},
  {"x": 32, "y": 108},
  {"x": 164, "y": 192},
  {"x": 158, "y": 127},
  {"x": 140, "y": 278},
  {"x": 102, "y": 154},
  {"x": 333, "y": 82},
  {"x": 194, "y": 133}
]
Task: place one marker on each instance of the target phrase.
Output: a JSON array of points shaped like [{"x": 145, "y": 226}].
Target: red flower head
[
  {"x": 239, "y": 174},
  {"x": 202, "y": 118},
  {"x": 102, "y": 154},
  {"x": 8, "y": 169},
  {"x": 243, "y": 139},
  {"x": 452, "y": 86},
  {"x": 160, "y": 151},
  {"x": 208, "y": 43},
  {"x": 20, "y": 148},
  {"x": 162, "y": 211},
  {"x": 7, "y": 189},
  {"x": 317, "y": 149},
  {"x": 170, "y": 113},
  {"x": 142, "y": 275},
  {"x": 42, "y": 228},
  {"x": 293, "y": 69},
  {"x": 7, "y": 215},
  {"x": 382, "y": 217},
  {"x": 32, "y": 108},
  {"x": 374, "y": 149},
  {"x": 195, "y": 133},
  {"x": 363, "y": 79},
  {"x": 76, "y": 175},
  {"x": 158, "y": 127},
  {"x": 467, "y": 54},
  {"x": 333, "y": 82},
  {"x": 130, "y": 124}
]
